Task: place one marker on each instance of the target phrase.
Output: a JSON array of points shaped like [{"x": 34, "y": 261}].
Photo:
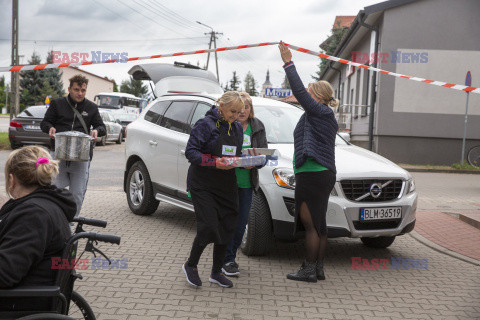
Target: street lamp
[{"x": 213, "y": 39}]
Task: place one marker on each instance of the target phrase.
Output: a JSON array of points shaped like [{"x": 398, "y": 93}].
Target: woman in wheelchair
[{"x": 34, "y": 224}]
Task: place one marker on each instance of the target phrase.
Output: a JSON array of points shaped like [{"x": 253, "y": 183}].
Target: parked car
[
  {"x": 124, "y": 119},
  {"x": 373, "y": 199},
  {"x": 114, "y": 129},
  {"x": 25, "y": 128}
]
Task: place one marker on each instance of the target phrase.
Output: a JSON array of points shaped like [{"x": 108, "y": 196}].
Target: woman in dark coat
[
  {"x": 314, "y": 166},
  {"x": 254, "y": 136},
  {"x": 213, "y": 185},
  {"x": 33, "y": 224}
]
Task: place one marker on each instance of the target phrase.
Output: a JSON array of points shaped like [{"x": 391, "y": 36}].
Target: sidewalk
[
  {"x": 437, "y": 169},
  {"x": 453, "y": 232}
]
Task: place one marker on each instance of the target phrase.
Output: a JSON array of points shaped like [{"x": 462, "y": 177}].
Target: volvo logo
[{"x": 375, "y": 190}]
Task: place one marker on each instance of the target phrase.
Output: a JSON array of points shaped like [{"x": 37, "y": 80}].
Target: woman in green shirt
[{"x": 254, "y": 136}]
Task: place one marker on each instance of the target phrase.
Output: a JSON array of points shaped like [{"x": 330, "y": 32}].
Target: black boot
[
  {"x": 306, "y": 273},
  {"x": 320, "y": 273}
]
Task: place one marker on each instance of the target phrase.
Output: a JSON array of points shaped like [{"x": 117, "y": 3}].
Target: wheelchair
[{"x": 60, "y": 301}]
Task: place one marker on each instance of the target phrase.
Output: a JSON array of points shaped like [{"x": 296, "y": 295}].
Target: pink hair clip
[{"x": 41, "y": 160}]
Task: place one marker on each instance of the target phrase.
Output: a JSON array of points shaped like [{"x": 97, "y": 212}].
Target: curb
[
  {"x": 474, "y": 223},
  {"x": 441, "y": 170},
  {"x": 415, "y": 235}
]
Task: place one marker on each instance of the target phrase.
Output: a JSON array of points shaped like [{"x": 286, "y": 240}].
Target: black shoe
[
  {"x": 230, "y": 269},
  {"x": 221, "y": 280},
  {"x": 320, "y": 272},
  {"x": 192, "y": 275},
  {"x": 307, "y": 273}
]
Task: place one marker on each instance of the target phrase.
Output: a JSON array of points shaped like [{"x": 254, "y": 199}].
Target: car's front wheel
[
  {"x": 140, "y": 195},
  {"x": 378, "y": 242},
  {"x": 120, "y": 138},
  {"x": 258, "y": 237}
]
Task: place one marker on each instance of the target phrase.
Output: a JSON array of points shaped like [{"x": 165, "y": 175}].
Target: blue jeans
[{"x": 245, "y": 196}]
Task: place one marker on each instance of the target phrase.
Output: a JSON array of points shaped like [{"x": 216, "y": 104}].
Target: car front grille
[
  {"x": 359, "y": 190},
  {"x": 376, "y": 225}
]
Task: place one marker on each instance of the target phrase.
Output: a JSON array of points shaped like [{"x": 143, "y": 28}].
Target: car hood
[{"x": 352, "y": 162}]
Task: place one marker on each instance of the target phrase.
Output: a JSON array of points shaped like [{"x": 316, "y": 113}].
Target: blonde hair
[
  {"x": 323, "y": 91},
  {"x": 230, "y": 99},
  {"x": 247, "y": 100},
  {"x": 22, "y": 163}
]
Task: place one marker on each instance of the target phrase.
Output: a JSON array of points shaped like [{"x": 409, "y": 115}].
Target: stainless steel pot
[{"x": 72, "y": 146}]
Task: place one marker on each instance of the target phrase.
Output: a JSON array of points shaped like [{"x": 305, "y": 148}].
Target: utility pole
[
  {"x": 15, "y": 100},
  {"x": 213, "y": 39}
]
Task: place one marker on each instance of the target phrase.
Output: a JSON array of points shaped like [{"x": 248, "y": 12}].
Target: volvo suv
[{"x": 373, "y": 199}]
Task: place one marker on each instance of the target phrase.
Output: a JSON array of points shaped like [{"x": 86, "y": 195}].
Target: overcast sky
[{"x": 147, "y": 27}]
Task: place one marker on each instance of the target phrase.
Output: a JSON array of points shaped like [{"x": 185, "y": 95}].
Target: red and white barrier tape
[
  {"x": 398, "y": 75},
  {"x": 321, "y": 55},
  {"x": 63, "y": 65}
]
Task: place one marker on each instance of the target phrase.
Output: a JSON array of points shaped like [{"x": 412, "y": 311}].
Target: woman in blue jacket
[
  {"x": 212, "y": 184},
  {"x": 314, "y": 166}
]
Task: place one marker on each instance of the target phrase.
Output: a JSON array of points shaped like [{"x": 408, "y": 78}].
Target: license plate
[
  {"x": 31, "y": 127},
  {"x": 367, "y": 214}
]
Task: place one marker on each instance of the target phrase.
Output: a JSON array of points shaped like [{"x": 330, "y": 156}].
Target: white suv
[{"x": 373, "y": 199}]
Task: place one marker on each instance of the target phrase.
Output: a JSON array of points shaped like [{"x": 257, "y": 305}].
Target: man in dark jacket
[{"x": 60, "y": 117}]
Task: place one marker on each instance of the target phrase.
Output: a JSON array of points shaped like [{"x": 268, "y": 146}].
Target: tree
[
  {"x": 54, "y": 78},
  {"x": 235, "y": 82},
  {"x": 329, "y": 46},
  {"x": 31, "y": 83},
  {"x": 2, "y": 90},
  {"x": 250, "y": 85},
  {"x": 286, "y": 83},
  {"x": 135, "y": 87}
]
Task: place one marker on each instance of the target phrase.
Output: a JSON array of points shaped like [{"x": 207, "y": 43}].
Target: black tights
[
  {"x": 315, "y": 245},
  {"x": 218, "y": 255}
]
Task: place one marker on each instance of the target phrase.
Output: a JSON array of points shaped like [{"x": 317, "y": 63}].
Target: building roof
[
  {"x": 343, "y": 21},
  {"x": 267, "y": 80}
]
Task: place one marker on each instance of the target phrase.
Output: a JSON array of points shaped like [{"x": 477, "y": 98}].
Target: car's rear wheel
[
  {"x": 378, "y": 242},
  {"x": 120, "y": 138},
  {"x": 140, "y": 195},
  {"x": 258, "y": 237},
  {"x": 15, "y": 146}
]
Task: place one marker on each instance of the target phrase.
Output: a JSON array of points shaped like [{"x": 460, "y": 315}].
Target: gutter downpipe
[
  {"x": 339, "y": 82},
  {"x": 373, "y": 85}
]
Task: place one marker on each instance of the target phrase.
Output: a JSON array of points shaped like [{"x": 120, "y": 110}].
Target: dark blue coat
[
  {"x": 315, "y": 133},
  {"x": 203, "y": 140}
]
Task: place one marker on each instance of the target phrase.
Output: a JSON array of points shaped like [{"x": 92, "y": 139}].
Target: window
[
  {"x": 155, "y": 113},
  {"x": 200, "y": 112},
  {"x": 177, "y": 115}
]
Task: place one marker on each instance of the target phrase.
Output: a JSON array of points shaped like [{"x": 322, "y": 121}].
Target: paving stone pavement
[{"x": 154, "y": 287}]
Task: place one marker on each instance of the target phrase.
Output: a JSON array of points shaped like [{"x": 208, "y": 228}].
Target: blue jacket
[
  {"x": 203, "y": 139},
  {"x": 315, "y": 133}
]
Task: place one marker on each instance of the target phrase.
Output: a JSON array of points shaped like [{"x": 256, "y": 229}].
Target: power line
[{"x": 111, "y": 41}]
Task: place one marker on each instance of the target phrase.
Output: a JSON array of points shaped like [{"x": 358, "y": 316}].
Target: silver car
[
  {"x": 114, "y": 129},
  {"x": 373, "y": 199}
]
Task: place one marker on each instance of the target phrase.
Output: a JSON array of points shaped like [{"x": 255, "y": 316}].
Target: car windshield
[
  {"x": 109, "y": 102},
  {"x": 281, "y": 121},
  {"x": 33, "y": 112}
]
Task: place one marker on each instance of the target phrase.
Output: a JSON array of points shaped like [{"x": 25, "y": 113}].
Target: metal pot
[{"x": 72, "y": 146}]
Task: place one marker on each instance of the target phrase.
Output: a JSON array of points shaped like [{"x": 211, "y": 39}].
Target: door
[
  {"x": 173, "y": 125},
  {"x": 183, "y": 164}
]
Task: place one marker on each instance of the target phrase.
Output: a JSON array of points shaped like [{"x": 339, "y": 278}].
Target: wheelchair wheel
[
  {"x": 79, "y": 308},
  {"x": 46, "y": 316}
]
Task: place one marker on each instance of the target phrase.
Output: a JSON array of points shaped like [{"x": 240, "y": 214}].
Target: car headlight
[
  {"x": 411, "y": 186},
  {"x": 284, "y": 177}
]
